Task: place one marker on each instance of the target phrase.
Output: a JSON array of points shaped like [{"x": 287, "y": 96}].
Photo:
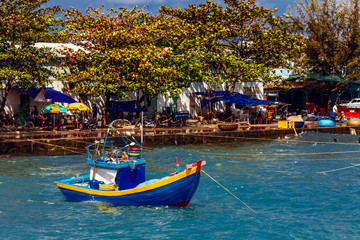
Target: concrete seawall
[{"x": 73, "y": 142}]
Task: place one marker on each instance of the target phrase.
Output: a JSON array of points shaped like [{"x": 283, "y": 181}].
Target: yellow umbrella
[{"x": 77, "y": 106}]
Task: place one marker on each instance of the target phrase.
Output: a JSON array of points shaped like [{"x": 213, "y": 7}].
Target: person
[
  {"x": 99, "y": 120},
  {"x": 107, "y": 118},
  {"x": 269, "y": 116},
  {"x": 48, "y": 120},
  {"x": 259, "y": 118},
  {"x": 103, "y": 118},
  {"x": 94, "y": 111},
  {"x": 21, "y": 114},
  {"x": 40, "y": 120},
  {"x": 317, "y": 110},
  {"x": 335, "y": 108},
  {"x": 343, "y": 116},
  {"x": 35, "y": 112},
  {"x": 129, "y": 116},
  {"x": 61, "y": 124}
]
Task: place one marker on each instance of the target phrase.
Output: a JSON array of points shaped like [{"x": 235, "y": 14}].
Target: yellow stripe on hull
[{"x": 161, "y": 183}]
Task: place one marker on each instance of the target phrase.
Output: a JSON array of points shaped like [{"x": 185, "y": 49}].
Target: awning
[
  {"x": 47, "y": 94},
  {"x": 323, "y": 77},
  {"x": 237, "y": 98},
  {"x": 124, "y": 106},
  {"x": 243, "y": 100}
]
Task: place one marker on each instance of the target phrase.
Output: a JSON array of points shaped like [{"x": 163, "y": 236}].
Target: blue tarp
[
  {"x": 242, "y": 100},
  {"x": 237, "y": 98},
  {"x": 50, "y": 94},
  {"x": 124, "y": 106}
]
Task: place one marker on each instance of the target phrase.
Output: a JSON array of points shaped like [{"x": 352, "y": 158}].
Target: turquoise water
[{"x": 282, "y": 180}]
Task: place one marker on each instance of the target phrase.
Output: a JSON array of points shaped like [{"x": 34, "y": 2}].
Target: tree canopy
[
  {"x": 333, "y": 37},
  {"x": 332, "y": 44},
  {"x": 238, "y": 43},
  {"x": 22, "y": 24},
  {"x": 128, "y": 50}
]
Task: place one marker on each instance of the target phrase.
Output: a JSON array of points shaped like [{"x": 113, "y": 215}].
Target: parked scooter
[{"x": 89, "y": 125}]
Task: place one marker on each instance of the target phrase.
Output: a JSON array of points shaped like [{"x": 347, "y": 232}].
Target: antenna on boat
[
  {"x": 114, "y": 128},
  {"x": 129, "y": 135}
]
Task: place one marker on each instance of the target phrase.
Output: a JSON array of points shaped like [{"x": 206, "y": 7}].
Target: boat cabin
[
  {"x": 115, "y": 169},
  {"x": 351, "y": 109}
]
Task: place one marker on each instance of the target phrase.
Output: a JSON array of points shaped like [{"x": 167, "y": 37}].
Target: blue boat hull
[{"x": 173, "y": 191}]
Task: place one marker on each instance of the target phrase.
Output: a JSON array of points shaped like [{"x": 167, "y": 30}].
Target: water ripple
[{"x": 276, "y": 179}]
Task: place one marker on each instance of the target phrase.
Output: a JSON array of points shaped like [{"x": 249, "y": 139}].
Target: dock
[{"x": 72, "y": 142}]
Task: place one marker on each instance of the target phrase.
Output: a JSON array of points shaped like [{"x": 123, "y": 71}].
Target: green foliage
[
  {"x": 333, "y": 37},
  {"x": 128, "y": 50},
  {"x": 239, "y": 43},
  {"x": 22, "y": 24}
]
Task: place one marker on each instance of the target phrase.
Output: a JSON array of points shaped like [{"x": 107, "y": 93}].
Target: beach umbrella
[
  {"x": 77, "y": 106},
  {"x": 54, "y": 108}
]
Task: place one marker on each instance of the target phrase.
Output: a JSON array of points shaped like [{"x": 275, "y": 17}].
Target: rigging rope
[{"x": 228, "y": 191}]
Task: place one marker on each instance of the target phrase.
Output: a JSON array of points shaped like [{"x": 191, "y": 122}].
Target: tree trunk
[
  {"x": 4, "y": 98},
  {"x": 329, "y": 109},
  {"x": 228, "y": 112}
]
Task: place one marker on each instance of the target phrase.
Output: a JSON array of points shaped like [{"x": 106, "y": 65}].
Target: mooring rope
[
  {"x": 296, "y": 134},
  {"x": 55, "y": 146},
  {"x": 271, "y": 139},
  {"x": 79, "y": 141},
  {"x": 275, "y": 154},
  {"x": 338, "y": 169},
  {"x": 77, "y": 150},
  {"x": 228, "y": 191}
]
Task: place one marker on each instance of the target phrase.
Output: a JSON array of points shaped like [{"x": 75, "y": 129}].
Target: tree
[
  {"x": 332, "y": 43},
  {"x": 127, "y": 50},
  {"x": 23, "y": 23},
  {"x": 239, "y": 43}
]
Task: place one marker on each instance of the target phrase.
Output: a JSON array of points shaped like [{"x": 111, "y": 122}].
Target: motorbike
[{"x": 89, "y": 125}]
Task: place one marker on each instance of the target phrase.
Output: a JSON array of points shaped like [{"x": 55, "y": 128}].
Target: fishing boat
[
  {"x": 117, "y": 175},
  {"x": 350, "y": 109}
]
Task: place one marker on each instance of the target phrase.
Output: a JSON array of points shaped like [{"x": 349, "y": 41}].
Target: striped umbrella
[{"x": 54, "y": 108}]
